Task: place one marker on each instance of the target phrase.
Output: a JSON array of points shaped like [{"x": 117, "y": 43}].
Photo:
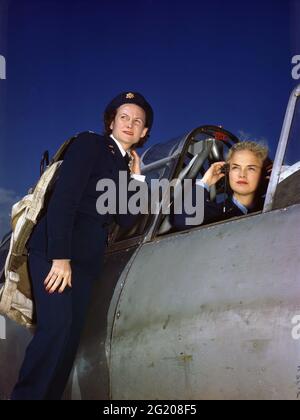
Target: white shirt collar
[
  {"x": 241, "y": 206},
  {"x": 119, "y": 145}
]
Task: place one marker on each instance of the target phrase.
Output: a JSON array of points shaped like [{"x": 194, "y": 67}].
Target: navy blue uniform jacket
[
  {"x": 71, "y": 228},
  {"x": 213, "y": 212}
]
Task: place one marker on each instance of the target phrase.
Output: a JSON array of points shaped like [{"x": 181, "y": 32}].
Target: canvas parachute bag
[{"x": 16, "y": 300}]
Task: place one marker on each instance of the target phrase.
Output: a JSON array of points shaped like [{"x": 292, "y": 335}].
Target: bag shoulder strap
[{"x": 59, "y": 155}]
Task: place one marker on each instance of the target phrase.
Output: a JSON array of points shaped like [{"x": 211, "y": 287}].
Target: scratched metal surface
[
  {"x": 13, "y": 341},
  {"x": 207, "y": 314}
]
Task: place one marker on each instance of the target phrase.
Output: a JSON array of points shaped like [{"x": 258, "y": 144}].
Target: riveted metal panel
[{"x": 208, "y": 314}]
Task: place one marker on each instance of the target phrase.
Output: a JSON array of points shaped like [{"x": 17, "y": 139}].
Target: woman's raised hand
[
  {"x": 135, "y": 164},
  {"x": 214, "y": 173}
]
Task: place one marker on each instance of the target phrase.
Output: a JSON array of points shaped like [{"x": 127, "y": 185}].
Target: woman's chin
[{"x": 242, "y": 190}]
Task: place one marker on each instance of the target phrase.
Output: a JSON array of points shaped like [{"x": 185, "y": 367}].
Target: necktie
[{"x": 127, "y": 159}]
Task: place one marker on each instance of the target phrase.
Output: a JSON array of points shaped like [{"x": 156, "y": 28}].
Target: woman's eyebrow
[
  {"x": 127, "y": 115},
  {"x": 250, "y": 165}
]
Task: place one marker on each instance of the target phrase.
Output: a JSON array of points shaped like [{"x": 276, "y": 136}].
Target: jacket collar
[
  {"x": 123, "y": 152},
  {"x": 115, "y": 153}
]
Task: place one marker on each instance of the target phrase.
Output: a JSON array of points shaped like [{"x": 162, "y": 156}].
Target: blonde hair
[{"x": 260, "y": 150}]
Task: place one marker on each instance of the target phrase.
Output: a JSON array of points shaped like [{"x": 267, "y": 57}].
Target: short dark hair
[{"x": 109, "y": 118}]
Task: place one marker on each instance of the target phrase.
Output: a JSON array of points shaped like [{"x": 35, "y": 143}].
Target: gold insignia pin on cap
[{"x": 130, "y": 95}]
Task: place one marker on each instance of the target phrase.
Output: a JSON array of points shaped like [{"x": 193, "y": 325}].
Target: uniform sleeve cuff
[
  {"x": 58, "y": 249},
  {"x": 137, "y": 177},
  {"x": 202, "y": 184}
]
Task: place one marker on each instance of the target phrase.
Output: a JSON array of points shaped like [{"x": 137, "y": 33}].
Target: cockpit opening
[
  {"x": 288, "y": 188},
  {"x": 190, "y": 156}
]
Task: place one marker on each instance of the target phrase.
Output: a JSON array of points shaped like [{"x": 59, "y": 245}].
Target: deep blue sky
[{"x": 198, "y": 62}]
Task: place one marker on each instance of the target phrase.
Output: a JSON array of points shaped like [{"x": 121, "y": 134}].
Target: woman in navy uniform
[
  {"x": 67, "y": 246},
  {"x": 246, "y": 168}
]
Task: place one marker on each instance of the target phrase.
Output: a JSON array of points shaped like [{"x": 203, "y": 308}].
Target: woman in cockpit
[{"x": 246, "y": 171}]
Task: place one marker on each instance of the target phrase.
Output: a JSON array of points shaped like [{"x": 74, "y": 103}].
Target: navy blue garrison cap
[{"x": 132, "y": 98}]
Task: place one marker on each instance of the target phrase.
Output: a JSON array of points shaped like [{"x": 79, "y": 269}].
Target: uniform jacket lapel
[{"x": 116, "y": 154}]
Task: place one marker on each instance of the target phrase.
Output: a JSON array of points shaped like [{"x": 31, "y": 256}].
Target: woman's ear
[
  {"x": 144, "y": 132},
  {"x": 112, "y": 125}
]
